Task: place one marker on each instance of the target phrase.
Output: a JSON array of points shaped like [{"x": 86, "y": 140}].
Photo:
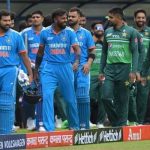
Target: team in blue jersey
[
  {"x": 11, "y": 47},
  {"x": 82, "y": 75},
  {"x": 31, "y": 36},
  {"x": 56, "y": 42}
]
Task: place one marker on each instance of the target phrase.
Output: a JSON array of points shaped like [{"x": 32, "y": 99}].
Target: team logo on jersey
[
  {"x": 63, "y": 38},
  {"x": 146, "y": 33},
  {"x": 124, "y": 34},
  {"x": 109, "y": 34},
  {"x": 8, "y": 40},
  {"x": 80, "y": 37},
  {"x": 30, "y": 38},
  {"x": 50, "y": 38}
]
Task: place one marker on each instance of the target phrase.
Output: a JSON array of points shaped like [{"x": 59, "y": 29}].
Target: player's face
[
  {"x": 61, "y": 21},
  {"x": 82, "y": 21},
  {"x": 98, "y": 32},
  {"x": 113, "y": 19},
  {"x": 73, "y": 18},
  {"x": 140, "y": 19},
  {"x": 5, "y": 23},
  {"x": 37, "y": 19},
  {"x": 29, "y": 22},
  {"x": 12, "y": 24}
]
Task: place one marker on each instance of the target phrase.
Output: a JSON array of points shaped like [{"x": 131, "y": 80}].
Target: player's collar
[
  {"x": 79, "y": 29},
  {"x": 52, "y": 30},
  {"x": 6, "y": 33},
  {"x": 119, "y": 29}
]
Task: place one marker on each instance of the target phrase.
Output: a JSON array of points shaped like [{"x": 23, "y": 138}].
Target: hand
[
  {"x": 138, "y": 76},
  {"x": 101, "y": 77},
  {"x": 86, "y": 68},
  {"x": 143, "y": 81},
  {"x": 30, "y": 78},
  {"x": 75, "y": 66},
  {"x": 132, "y": 77},
  {"x": 36, "y": 75}
]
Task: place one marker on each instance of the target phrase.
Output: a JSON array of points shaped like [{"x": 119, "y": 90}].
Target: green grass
[{"x": 136, "y": 145}]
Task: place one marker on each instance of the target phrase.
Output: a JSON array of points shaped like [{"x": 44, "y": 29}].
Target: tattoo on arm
[{"x": 39, "y": 57}]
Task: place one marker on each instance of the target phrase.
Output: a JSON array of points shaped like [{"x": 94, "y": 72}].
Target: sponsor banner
[
  {"x": 110, "y": 135},
  {"x": 61, "y": 138},
  {"x": 82, "y": 137},
  {"x": 37, "y": 140},
  {"x": 136, "y": 133},
  {"x": 12, "y": 142}
]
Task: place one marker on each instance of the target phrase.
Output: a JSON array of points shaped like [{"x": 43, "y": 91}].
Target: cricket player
[
  {"x": 142, "y": 88},
  {"x": 118, "y": 67},
  {"x": 95, "y": 85},
  {"x": 82, "y": 75},
  {"x": 11, "y": 47},
  {"x": 31, "y": 36},
  {"x": 55, "y": 44}
]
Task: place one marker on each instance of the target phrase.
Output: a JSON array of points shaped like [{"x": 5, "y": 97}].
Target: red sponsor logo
[
  {"x": 61, "y": 138},
  {"x": 36, "y": 140},
  {"x": 57, "y": 51},
  {"x": 136, "y": 133},
  {"x": 34, "y": 50},
  {"x": 4, "y": 54}
]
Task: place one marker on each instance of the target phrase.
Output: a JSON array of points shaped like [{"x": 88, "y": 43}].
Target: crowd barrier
[{"x": 69, "y": 137}]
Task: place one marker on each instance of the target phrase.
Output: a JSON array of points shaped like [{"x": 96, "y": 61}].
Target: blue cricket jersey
[
  {"x": 86, "y": 42},
  {"x": 11, "y": 44},
  {"x": 32, "y": 41},
  {"x": 58, "y": 46}
]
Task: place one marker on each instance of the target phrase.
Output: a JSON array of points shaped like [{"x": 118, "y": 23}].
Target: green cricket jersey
[
  {"x": 140, "y": 50},
  {"x": 95, "y": 65},
  {"x": 146, "y": 42},
  {"x": 145, "y": 33},
  {"x": 120, "y": 46}
]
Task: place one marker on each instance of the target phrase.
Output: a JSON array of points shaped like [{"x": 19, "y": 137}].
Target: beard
[
  {"x": 4, "y": 28},
  {"x": 72, "y": 23},
  {"x": 62, "y": 26},
  {"x": 140, "y": 24},
  {"x": 98, "y": 35}
]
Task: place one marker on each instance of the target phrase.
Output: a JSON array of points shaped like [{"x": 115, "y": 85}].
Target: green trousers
[
  {"x": 115, "y": 93},
  {"x": 141, "y": 100},
  {"x": 60, "y": 106},
  {"x": 132, "y": 114},
  {"x": 95, "y": 95}
]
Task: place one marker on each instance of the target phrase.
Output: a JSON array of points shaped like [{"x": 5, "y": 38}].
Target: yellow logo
[
  {"x": 124, "y": 34},
  {"x": 146, "y": 33}
]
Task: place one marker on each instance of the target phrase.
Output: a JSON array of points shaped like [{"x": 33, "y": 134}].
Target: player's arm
[
  {"x": 103, "y": 59},
  {"x": 141, "y": 55},
  {"x": 141, "y": 52},
  {"x": 75, "y": 45},
  {"x": 23, "y": 53},
  {"x": 77, "y": 52},
  {"x": 91, "y": 52},
  {"x": 91, "y": 57},
  {"x": 39, "y": 56},
  {"x": 146, "y": 64},
  {"x": 27, "y": 64},
  {"x": 135, "y": 55}
]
